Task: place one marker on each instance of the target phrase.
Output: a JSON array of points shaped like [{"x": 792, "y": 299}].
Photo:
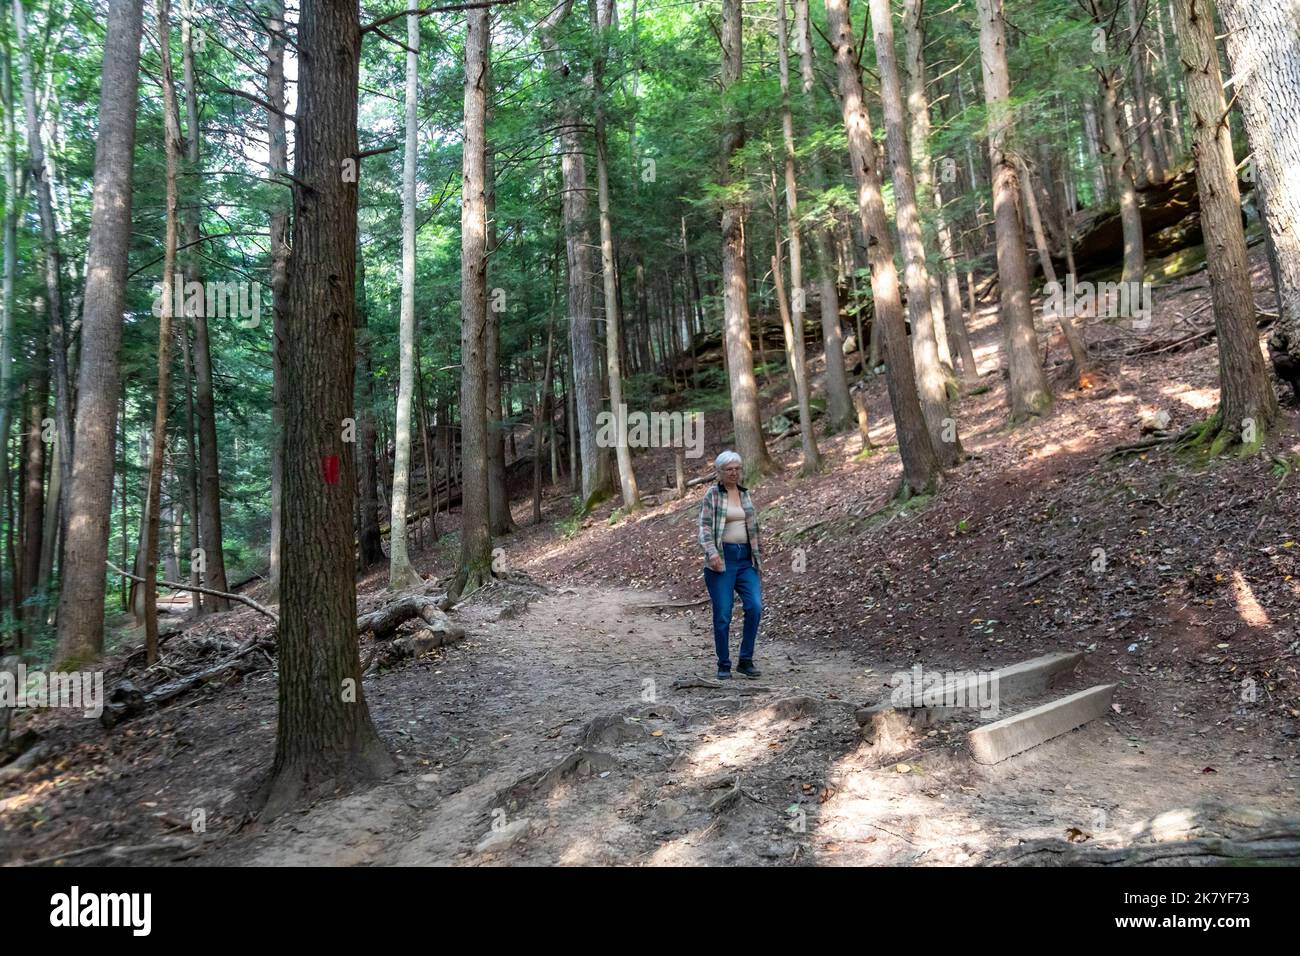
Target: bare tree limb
[{"x": 194, "y": 587}]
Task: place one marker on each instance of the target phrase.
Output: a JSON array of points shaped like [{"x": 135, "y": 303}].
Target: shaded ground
[{"x": 1191, "y": 610}]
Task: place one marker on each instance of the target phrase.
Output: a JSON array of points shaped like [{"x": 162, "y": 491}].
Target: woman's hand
[{"x": 715, "y": 563}]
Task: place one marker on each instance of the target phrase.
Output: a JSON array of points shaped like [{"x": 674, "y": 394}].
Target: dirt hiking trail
[{"x": 580, "y": 728}]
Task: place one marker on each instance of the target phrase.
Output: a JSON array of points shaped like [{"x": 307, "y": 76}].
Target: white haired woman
[{"x": 728, "y": 535}]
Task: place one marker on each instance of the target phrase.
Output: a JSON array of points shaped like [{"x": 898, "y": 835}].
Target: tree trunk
[
  {"x": 542, "y": 418},
  {"x": 400, "y": 572},
  {"x": 90, "y": 491},
  {"x": 595, "y": 475},
  {"x": 50, "y": 247},
  {"x": 475, "y": 536},
  {"x": 794, "y": 322},
  {"x": 1030, "y": 394},
  {"x": 1266, "y": 61},
  {"x": 931, "y": 379},
  {"x": 1152, "y": 148},
  {"x": 278, "y": 161},
  {"x": 745, "y": 412},
  {"x": 1247, "y": 405},
  {"x": 602, "y": 16},
  {"x": 921, "y": 469},
  {"x": 325, "y": 738},
  {"x": 928, "y": 195},
  {"x": 171, "y": 148},
  {"x": 1120, "y": 163},
  {"x": 1078, "y": 351},
  {"x": 370, "y": 538},
  {"x": 7, "y": 300}
]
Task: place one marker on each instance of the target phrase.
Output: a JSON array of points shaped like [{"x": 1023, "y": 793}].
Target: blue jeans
[{"x": 737, "y": 577}]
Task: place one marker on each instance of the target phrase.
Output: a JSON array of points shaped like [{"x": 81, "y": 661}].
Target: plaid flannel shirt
[{"x": 713, "y": 521}]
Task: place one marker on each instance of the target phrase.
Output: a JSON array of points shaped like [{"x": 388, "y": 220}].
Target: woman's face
[{"x": 730, "y": 472}]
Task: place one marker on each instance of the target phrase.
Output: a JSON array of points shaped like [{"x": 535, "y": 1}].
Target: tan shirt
[{"x": 734, "y": 532}]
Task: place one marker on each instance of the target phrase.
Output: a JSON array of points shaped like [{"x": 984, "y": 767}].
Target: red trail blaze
[{"x": 329, "y": 466}]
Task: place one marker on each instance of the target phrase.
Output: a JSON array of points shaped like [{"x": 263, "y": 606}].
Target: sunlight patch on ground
[
  {"x": 1197, "y": 399},
  {"x": 1247, "y": 605}
]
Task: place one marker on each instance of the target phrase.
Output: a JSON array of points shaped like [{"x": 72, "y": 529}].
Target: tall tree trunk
[
  {"x": 921, "y": 469},
  {"x": 1247, "y": 405},
  {"x": 475, "y": 536},
  {"x": 595, "y": 470},
  {"x": 931, "y": 380},
  {"x": 1148, "y": 144},
  {"x": 171, "y": 148},
  {"x": 928, "y": 195},
  {"x": 50, "y": 247},
  {"x": 1030, "y": 394},
  {"x": 793, "y": 324},
  {"x": 324, "y": 738},
  {"x": 601, "y": 16},
  {"x": 1120, "y": 163},
  {"x": 11, "y": 203},
  {"x": 90, "y": 491},
  {"x": 278, "y": 162},
  {"x": 400, "y": 572},
  {"x": 745, "y": 412},
  {"x": 1266, "y": 61}
]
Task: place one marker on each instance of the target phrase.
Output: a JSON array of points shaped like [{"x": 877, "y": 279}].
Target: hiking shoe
[
  {"x": 748, "y": 669},
  {"x": 724, "y": 674}
]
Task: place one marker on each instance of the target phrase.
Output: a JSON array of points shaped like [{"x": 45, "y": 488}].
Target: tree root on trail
[{"x": 1272, "y": 847}]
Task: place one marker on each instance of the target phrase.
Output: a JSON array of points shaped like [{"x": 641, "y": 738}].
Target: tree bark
[{"x": 90, "y": 491}]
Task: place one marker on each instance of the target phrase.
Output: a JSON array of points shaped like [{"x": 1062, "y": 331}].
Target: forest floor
[{"x": 577, "y": 723}]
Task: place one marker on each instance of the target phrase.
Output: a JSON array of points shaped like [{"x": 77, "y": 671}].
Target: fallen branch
[{"x": 194, "y": 587}]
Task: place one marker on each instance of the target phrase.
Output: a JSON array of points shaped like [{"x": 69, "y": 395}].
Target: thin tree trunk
[
  {"x": 400, "y": 572},
  {"x": 278, "y": 163},
  {"x": 171, "y": 148},
  {"x": 370, "y": 538},
  {"x": 793, "y": 323},
  {"x": 7, "y": 299},
  {"x": 602, "y": 15}
]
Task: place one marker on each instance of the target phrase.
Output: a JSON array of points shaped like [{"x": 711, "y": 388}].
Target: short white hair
[{"x": 726, "y": 458}]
